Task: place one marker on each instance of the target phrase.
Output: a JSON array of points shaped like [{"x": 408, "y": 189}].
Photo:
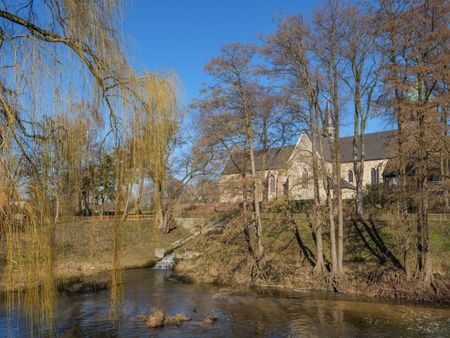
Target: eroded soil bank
[{"x": 223, "y": 259}]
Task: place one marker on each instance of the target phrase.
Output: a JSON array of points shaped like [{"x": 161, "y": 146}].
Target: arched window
[
  {"x": 373, "y": 176},
  {"x": 350, "y": 176},
  {"x": 272, "y": 186},
  {"x": 305, "y": 178},
  {"x": 286, "y": 187}
]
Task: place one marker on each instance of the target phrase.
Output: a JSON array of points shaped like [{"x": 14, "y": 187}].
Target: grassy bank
[
  {"x": 84, "y": 257},
  {"x": 84, "y": 250},
  {"x": 225, "y": 260}
]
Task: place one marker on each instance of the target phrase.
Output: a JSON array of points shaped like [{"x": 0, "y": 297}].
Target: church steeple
[{"x": 329, "y": 122}]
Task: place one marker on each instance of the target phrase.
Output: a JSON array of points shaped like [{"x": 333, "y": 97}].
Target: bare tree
[
  {"x": 416, "y": 49},
  {"x": 364, "y": 64},
  {"x": 329, "y": 31},
  {"x": 288, "y": 50},
  {"x": 233, "y": 94}
]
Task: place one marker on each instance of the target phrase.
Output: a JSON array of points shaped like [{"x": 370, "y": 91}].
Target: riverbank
[
  {"x": 306, "y": 283},
  {"x": 84, "y": 256},
  {"x": 224, "y": 260},
  {"x": 84, "y": 251}
]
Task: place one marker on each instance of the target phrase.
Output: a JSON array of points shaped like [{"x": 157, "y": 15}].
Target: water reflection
[{"x": 244, "y": 315}]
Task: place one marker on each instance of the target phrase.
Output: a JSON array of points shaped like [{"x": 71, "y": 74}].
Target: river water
[{"x": 238, "y": 315}]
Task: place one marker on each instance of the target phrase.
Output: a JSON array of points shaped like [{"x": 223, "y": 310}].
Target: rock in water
[{"x": 210, "y": 320}]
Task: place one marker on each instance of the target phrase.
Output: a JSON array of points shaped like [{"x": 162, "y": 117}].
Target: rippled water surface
[{"x": 245, "y": 315}]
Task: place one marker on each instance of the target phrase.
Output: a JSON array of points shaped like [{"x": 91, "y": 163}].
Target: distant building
[{"x": 289, "y": 168}]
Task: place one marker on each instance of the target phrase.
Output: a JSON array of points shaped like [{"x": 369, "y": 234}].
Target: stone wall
[{"x": 190, "y": 223}]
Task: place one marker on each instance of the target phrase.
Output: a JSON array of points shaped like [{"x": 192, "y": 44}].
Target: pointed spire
[{"x": 330, "y": 124}]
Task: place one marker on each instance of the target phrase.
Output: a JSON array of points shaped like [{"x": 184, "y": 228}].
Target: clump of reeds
[
  {"x": 154, "y": 319},
  {"x": 177, "y": 319},
  {"x": 157, "y": 318}
]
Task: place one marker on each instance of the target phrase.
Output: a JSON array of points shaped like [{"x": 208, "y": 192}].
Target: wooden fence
[
  {"x": 144, "y": 217},
  {"x": 441, "y": 218}
]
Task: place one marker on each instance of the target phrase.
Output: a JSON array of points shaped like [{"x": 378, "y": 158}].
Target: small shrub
[
  {"x": 157, "y": 318},
  {"x": 177, "y": 319},
  {"x": 154, "y": 319}
]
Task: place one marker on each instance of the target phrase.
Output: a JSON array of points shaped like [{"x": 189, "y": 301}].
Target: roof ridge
[
  {"x": 376, "y": 148},
  {"x": 373, "y": 133}
]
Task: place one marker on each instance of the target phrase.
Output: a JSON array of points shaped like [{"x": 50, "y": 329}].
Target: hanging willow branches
[
  {"x": 160, "y": 125},
  {"x": 63, "y": 74}
]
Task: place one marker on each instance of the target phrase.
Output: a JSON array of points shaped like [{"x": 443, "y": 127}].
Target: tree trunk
[
  {"x": 428, "y": 269},
  {"x": 127, "y": 201},
  {"x": 257, "y": 211},
  {"x": 358, "y": 147},
  {"x": 333, "y": 138},
  {"x": 419, "y": 232},
  {"x": 162, "y": 215},
  {"x": 445, "y": 159},
  {"x": 334, "y": 267},
  {"x": 248, "y": 115},
  {"x": 423, "y": 255},
  {"x": 139, "y": 196},
  {"x": 340, "y": 211},
  {"x": 326, "y": 185},
  {"x": 244, "y": 191},
  {"x": 57, "y": 207},
  {"x": 444, "y": 177},
  {"x": 163, "y": 223},
  {"x": 404, "y": 221},
  {"x": 320, "y": 266},
  {"x": 264, "y": 179}
]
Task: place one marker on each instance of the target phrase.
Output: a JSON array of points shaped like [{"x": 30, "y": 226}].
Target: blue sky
[{"x": 184, "y": 35}]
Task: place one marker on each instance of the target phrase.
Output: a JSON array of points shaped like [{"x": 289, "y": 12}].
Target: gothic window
[
  {"x": 305, "y": 178},
  {"x": 374, "y": 176},
  {"x": 350, "y": 176},
  {"x": 286, "y": 187},
  {"x": 272, "y": 187}
]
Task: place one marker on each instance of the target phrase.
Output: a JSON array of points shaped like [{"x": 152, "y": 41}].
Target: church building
[{"x": 289, "y": 168}]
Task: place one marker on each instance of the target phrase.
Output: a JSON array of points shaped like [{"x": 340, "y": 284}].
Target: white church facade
[{"x": 289, "y": 168}]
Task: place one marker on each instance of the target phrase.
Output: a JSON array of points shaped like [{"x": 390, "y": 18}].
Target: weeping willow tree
[
  {"x": 63, "y": 74},
  {"x": 156, "y": 124}
]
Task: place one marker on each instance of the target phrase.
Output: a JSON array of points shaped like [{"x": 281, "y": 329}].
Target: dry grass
[
  {"x": 177, "y": 319},
  {"x": 84, "y": 249},
  {"x": 224, "y": 260},
  {"x": 154, "y": 319},
  {"x": 157, "y": 318}
]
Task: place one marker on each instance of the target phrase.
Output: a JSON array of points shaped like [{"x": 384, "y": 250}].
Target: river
[{"x": 244, "y": 314}]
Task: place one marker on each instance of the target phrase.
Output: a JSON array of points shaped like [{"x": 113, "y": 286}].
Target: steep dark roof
[
  {"x": 379, "y": 145},
  {"x": 276, "y": 159},
  {"x": 392, "y": 167}
]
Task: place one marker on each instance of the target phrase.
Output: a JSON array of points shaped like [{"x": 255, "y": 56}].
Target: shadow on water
[{"x": 239, "y": 315}]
